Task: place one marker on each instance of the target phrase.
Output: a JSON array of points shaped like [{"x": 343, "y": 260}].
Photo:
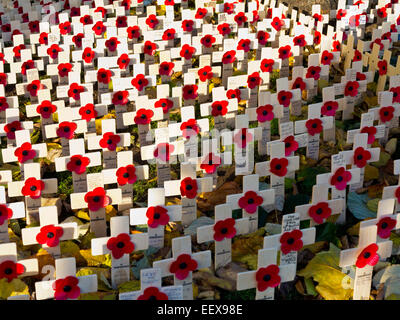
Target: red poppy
[
  {"x": 190, "y": 128},
  {"x": 285, "y": 52},
  {"x": 104, "y": 76},
  {"x": 368, "y": 256},
  {"x": 157, "y": 216},
  {"x": 277, "y": 24},
  {"x": 99, "y": 28},
  {"x": 291, "y": 145},
  {"x": 291, "y": 241},
  {"x": 75, "y": 12},
  {"x": 299, "y": 84},
  {"x": 78, "y": 164},
  {"x": 386, "y": 114},
  {"x": 126, "y": 175},
  {"x": 317, "y": 38},
  {"x": 75, "y": 91},
  {"x": 126, "y": 4},
  {"x": 15, "y": 32},
  {"x": 340, "y": 178},
  {"x": 189, "y": 188},
  {"x": 329, "y": 108},
  {"x": 326, "y": 58},
  {"x": 299, "y": 41},
  {"x": 371, "y": 131},
  {"x": 182, "y": 266},
  {"x": 244, "y": 45},
  {"x": 382, "y": 12},
  {"x": 88, "y": 112},
  {"x": 6, "y": 27},
  {"x": 205, "y": 73},
  {"x": 53, "y": 51},
  {"x": 361, "y": 156},
  {"x": 360, "y": 76},
  {"x": 278, "y": 166},
  {"x": 201, "y": 13},
  {"x": 120, "y": 98},
  {"x": 77, "y": 39},
  {"x": 50, "y": 235},
  {"x": 66, "y": 288},
  {"x": 187, "y": 25},
  {"x": 268, "y": 277},
  {"x": 233, "y": 94},
  {"x": 317, "y": 17},
  {"x": 97, "y": 199},
  {"x": 46, "y": 109},
  {"x": 313, "y": 72},
  {"x": 65, "y": 28},
  {"x": 190, "y": 92},
  {"x": 133, "y": 32},
  {"x": 224, "y": 229},
  {"x": 314, "y": 126},
  {"x": 140, "y": 82},
  {"x": 166, "y": 68},
  {"x": 267, "y": 65},
  {"x": 112, "y": 44},
  {"x": 109, "y": 141},
  {"x": 341, "y": 13},
  {"x": 33, "y": 188},
  {"x": 357, "y": 56},
  {"x": 34, "y": 87},
  {"x": 229, "y": 8},
  {"x": 387, "y": 36},
  {"x": 187, "y": 51},
  {"x": 284, "y": 98},
  {"x": 378, "y": 41},
  {"x": 265, "y": 113},
  {"x": 256, "y": 17},
  {"x": 121, "y": 22},
  {"x": 24, "y": 153},
  {"x": 229, "y": 57},
  {"x": 2, "y": 58},
  {"x": 250, "y": 202},
  {"x": 224, "y": 29},
  {"x": 169, "y": 34},
  {"x": 152, "y": 21},
  {"x": 210, "y": 163},
  {"x": 242, "y": 137},
  {"x": 10, "y": 270},
  {"x": 66, "y": 129},
  {"x": 351, "y": 88},
  {"x": 396, "y": 94},
  {"x": 27, "y": 65},
  {"x": 336, "y": 46},
  {"x": 152, "y": 293},
  {"x": 123, "y": 61},
  {"x": 143, "y": 116},
  {"x": 17, "y": 50},
  {"x": 262, "y": 37},
  {"x": 88, "y": 55},
  {"x": 3, "y": 104},
  {"x": 319, "y": 212},
  {"x": 163, "y": 151},
  {"x": 64, "y": 69},
  {"x": 5, "y": 214},
  {"x": 102, "y": 10},
  {"x": 34, "y": 26},
  {"x": 120, "y": 245},
  {"x": 219, "y": 108},
  {"x": 382, "y": 65},
  {"x": 165, "y": 104},
  {"x": 253, "y": 80},
  {"x": 11, "y": 127},
  {"x": 207, "y": 40},
  {"x": 385, "y": 227}
]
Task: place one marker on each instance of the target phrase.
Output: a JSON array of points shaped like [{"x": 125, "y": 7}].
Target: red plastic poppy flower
[
  {"x": 163, "y": 151},
  {"x": 187, "y": 25},
  {"x": 169, "y": 34},
  {"x": 242, "y": 138},
  {"x": 53, "y": 51},
  {"x": 50, "y": 235},
  {"x": 317, "y": 38},
  {"x": 189, "y": 92},
  {"x": 205, "y": 73},
  {"x": 361, "y": 156},
  {"x": 262, "y": 37},
  {"x": 207, "y": 40},
  {"x": 314, "y": 126},
  {"x": 229, "y": 57},
  {"x": 121, "y": 22},
  {"x": 152, "y": 21},
  {"x": 244, "y": 45},
  {"x": 6, "y": 27},
  {"x": 277, "y": 23},
  {"x": 78, "y": 164},
  {"x": 24, "y": 153},
  {"x": 166, "y": 68},
  {"x": 3, "y": 104},
  {"x": 189, "y": 188},
  {"x": 396, "y": 94},
  {"x": 357, "y": 56},
  {"x": 112, "y": 44},
  {"x": 267, "y": 65},
  {"x": 75, "y": 91},
  {"x": 126, "y": 175},
  {"x": 351, "y": 88},
  {"x": 378, "y": 41},
  {"x": 66, "y": 288},
  {"x": 224, "y": 229},
  {"x": 182, "y": 266},
  {"x": 99, "y": 28},
  {"x": 224, "y": 29},
  {"x": 15, "y": 32},
  {"x": 34, "y": 87},
  {"x": 268, "y": 277},
  {"x": 109, "y": 141},
  {"x": 229, "y": 8},
  {"x": 385, "y": 227},
  {"x": 299, "y": 41},
  {"x": 250, "y": 202},
  {"x": 341, "y": 13},
  {"x": 291, "y": 241},
  {"x": 29, "y": 64},
  {"x": 371, "y": 131},
  {"x": 210, "y": 163},
  {"x": 265, "y": 113},
  {"x": 143, "y": 116},
  {"x": 2, "y": 58},
  {"x": 77, "y": 39},
  {"x": 201, "y": 13},
  {"x": 88, "y": 55},
  {"x": 10, "y": 129},
  {"x": 299, "y": 84},
  {"x": 149, "y": 48},
  {"x": 66, "y": 129},
  {"x": 382, "y": 65},
  {"x": 120, "y": 98},
  {"x": 165, "y": 104},
  {"x": 233, "y": 94},
  {"x": 253, "y": 80},
  {"x": 123, "y": 61},
  {"x": 157, "y": 216},
  {"x": 187, "y": 51},
  {"x": 285, "y": 52},
  {"x": 284, "y": 98},
  {"x": 152, "y": 293},
  {"x": 319, "y": 212},
  {"x": 381, "y": 12},
  {"x": 386, "y": 114},
  {"x": 65, "y": 28},
  {"x": 64, "y": 69},
  {"x": 190, "y": 128},
  {"x": 291, "y": 145},
  {"x": 102, "y": 10},
  {"x": 329, "y": 108},
  {"x": 10, "y": 270},
  {"x": 140, "y": 82},
  {"x": 17, "y": 50},
  {"x": 313, "y": 72},
  {"x": 97, "y": 199},
  {"x": 340, "y": 178},
  {"x": 120, "y": 245},
  {"x": 75, "y": 12},
  {"x": 326, "y": 58},
  {"x": 336, "y": 46},
  {"x": 133, "y": 32},
  {"x": 368, "y": 256},
  {"x": 219, "y": 108},
  {"x": 360, "y": 76},
  {"x": 126, "y": 4},
  {"x": 104, "y": 76},
  {"x": 317, "y": 17},
  {"x": 33, "y": 188},
  {"x": 387, "y": 35},
  {"x": 88, "y": 112},
  {"x": 46, "y": 109},
  {"x": 278, "y": 166},
  {"x": 5, "y": 213}
]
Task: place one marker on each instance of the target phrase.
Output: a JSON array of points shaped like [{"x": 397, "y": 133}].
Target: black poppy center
[
  {"x": 109, "y": 141},
  {"x": 278, "y": 167},
  {"x": 384, "y": 225},
  {"x": 50, "y": 235},
  {"x": 183, "y": 265},
  {"x": 224, "y": 230},
  {"x": 367, "y": 255},
  {"x": 96, "y": 199},
  {"x": 386, "y": 113},
  {"x": 189, "y": 187},
  {"x": 78, "y": 162},
  {"x": 67, "y": 288},
  {"x": 156, "y": 216},
  {"x": 287, "y": 145},
  {"x": 33, "y": 188},
  {"x": 340, "y": 178},
  {"x": 88, "y": 112},
  {"x": 103, "y": 75},
  {"x": 314, "y": 125},
  {"x": 250, "y": 201},
  {"x": 152, "y": 298},
  {"x": 126, "y": 175},
  {"x": 267, "y": 278},
  {"x": 34, "y": 87},
  {"x": 319, "y": 211},
  {"x": 67, "y": 129},
  {"x": 8, "y": 271},
  {"x": 25, "y": 153},
  {"x": 359, "y": 157},
  {"x": 351, "y": 88},
  {"x": 290, "y": 241},
  {"x": 120, "y": 245}
]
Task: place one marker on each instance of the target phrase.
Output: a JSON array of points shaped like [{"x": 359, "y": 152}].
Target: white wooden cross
[
  {"x": 156, "y": 216},
  {"x": 13, "y": 125},
  {"x": 183, "y": 263},
  {"x": 66, "y": 286},
  {"x": 330, "y": 107},
  {"x": 284, "y": 97},
  {"x": 367, "y": 126},
  {"x": 222, "y": 232},
  {"x": 151, "y": 288},
  {"x": 120, "y": 245},
  {"x": 50, "y": 233},
  {"x": 364, "y": 257},
  {"x": 15, "y": 210}
]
